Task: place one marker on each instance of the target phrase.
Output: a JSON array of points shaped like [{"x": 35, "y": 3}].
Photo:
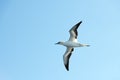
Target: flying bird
[{"x": 71, "y": 44}]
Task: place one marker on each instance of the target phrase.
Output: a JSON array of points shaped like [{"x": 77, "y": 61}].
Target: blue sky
[{"x": 29, "y": 29}]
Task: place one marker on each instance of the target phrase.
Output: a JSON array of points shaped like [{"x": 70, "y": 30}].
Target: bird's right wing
[{"x": 66, "y": 57}]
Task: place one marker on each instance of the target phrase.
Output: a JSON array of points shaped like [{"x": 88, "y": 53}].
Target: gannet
[{"x": 71, "y": 44}]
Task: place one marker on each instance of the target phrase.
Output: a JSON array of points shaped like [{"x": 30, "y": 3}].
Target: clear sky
[{"x": 29, "y": 29}]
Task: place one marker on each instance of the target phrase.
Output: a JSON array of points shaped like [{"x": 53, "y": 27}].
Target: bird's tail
[{"x": 86, "y": 45}]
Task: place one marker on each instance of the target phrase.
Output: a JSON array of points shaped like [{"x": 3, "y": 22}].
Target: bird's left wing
[
  {"x": 73, "y": 32},
  {"x": 66, "y": 57}
]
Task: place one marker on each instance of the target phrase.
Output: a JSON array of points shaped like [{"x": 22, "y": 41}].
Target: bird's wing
[
  {"x": 73, "y": 32},
  {"x": 66, "y": 57}
]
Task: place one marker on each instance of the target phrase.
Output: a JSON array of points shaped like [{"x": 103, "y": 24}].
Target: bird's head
[{"x": 60, "y": 43}]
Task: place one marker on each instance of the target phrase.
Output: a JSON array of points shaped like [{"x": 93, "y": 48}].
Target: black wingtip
[
  {"x": 80, "y": 22},
  {"x": 67, "y": 67}
]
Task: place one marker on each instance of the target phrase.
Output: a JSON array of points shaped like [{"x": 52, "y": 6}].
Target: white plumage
[{"x": 71, "y": 44}]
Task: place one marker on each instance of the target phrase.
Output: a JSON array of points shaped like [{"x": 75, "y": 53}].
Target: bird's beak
[{"x": 56, "y": 43}]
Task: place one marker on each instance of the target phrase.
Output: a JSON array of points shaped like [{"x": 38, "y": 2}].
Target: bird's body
[{"x": 71, "y": 44}]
